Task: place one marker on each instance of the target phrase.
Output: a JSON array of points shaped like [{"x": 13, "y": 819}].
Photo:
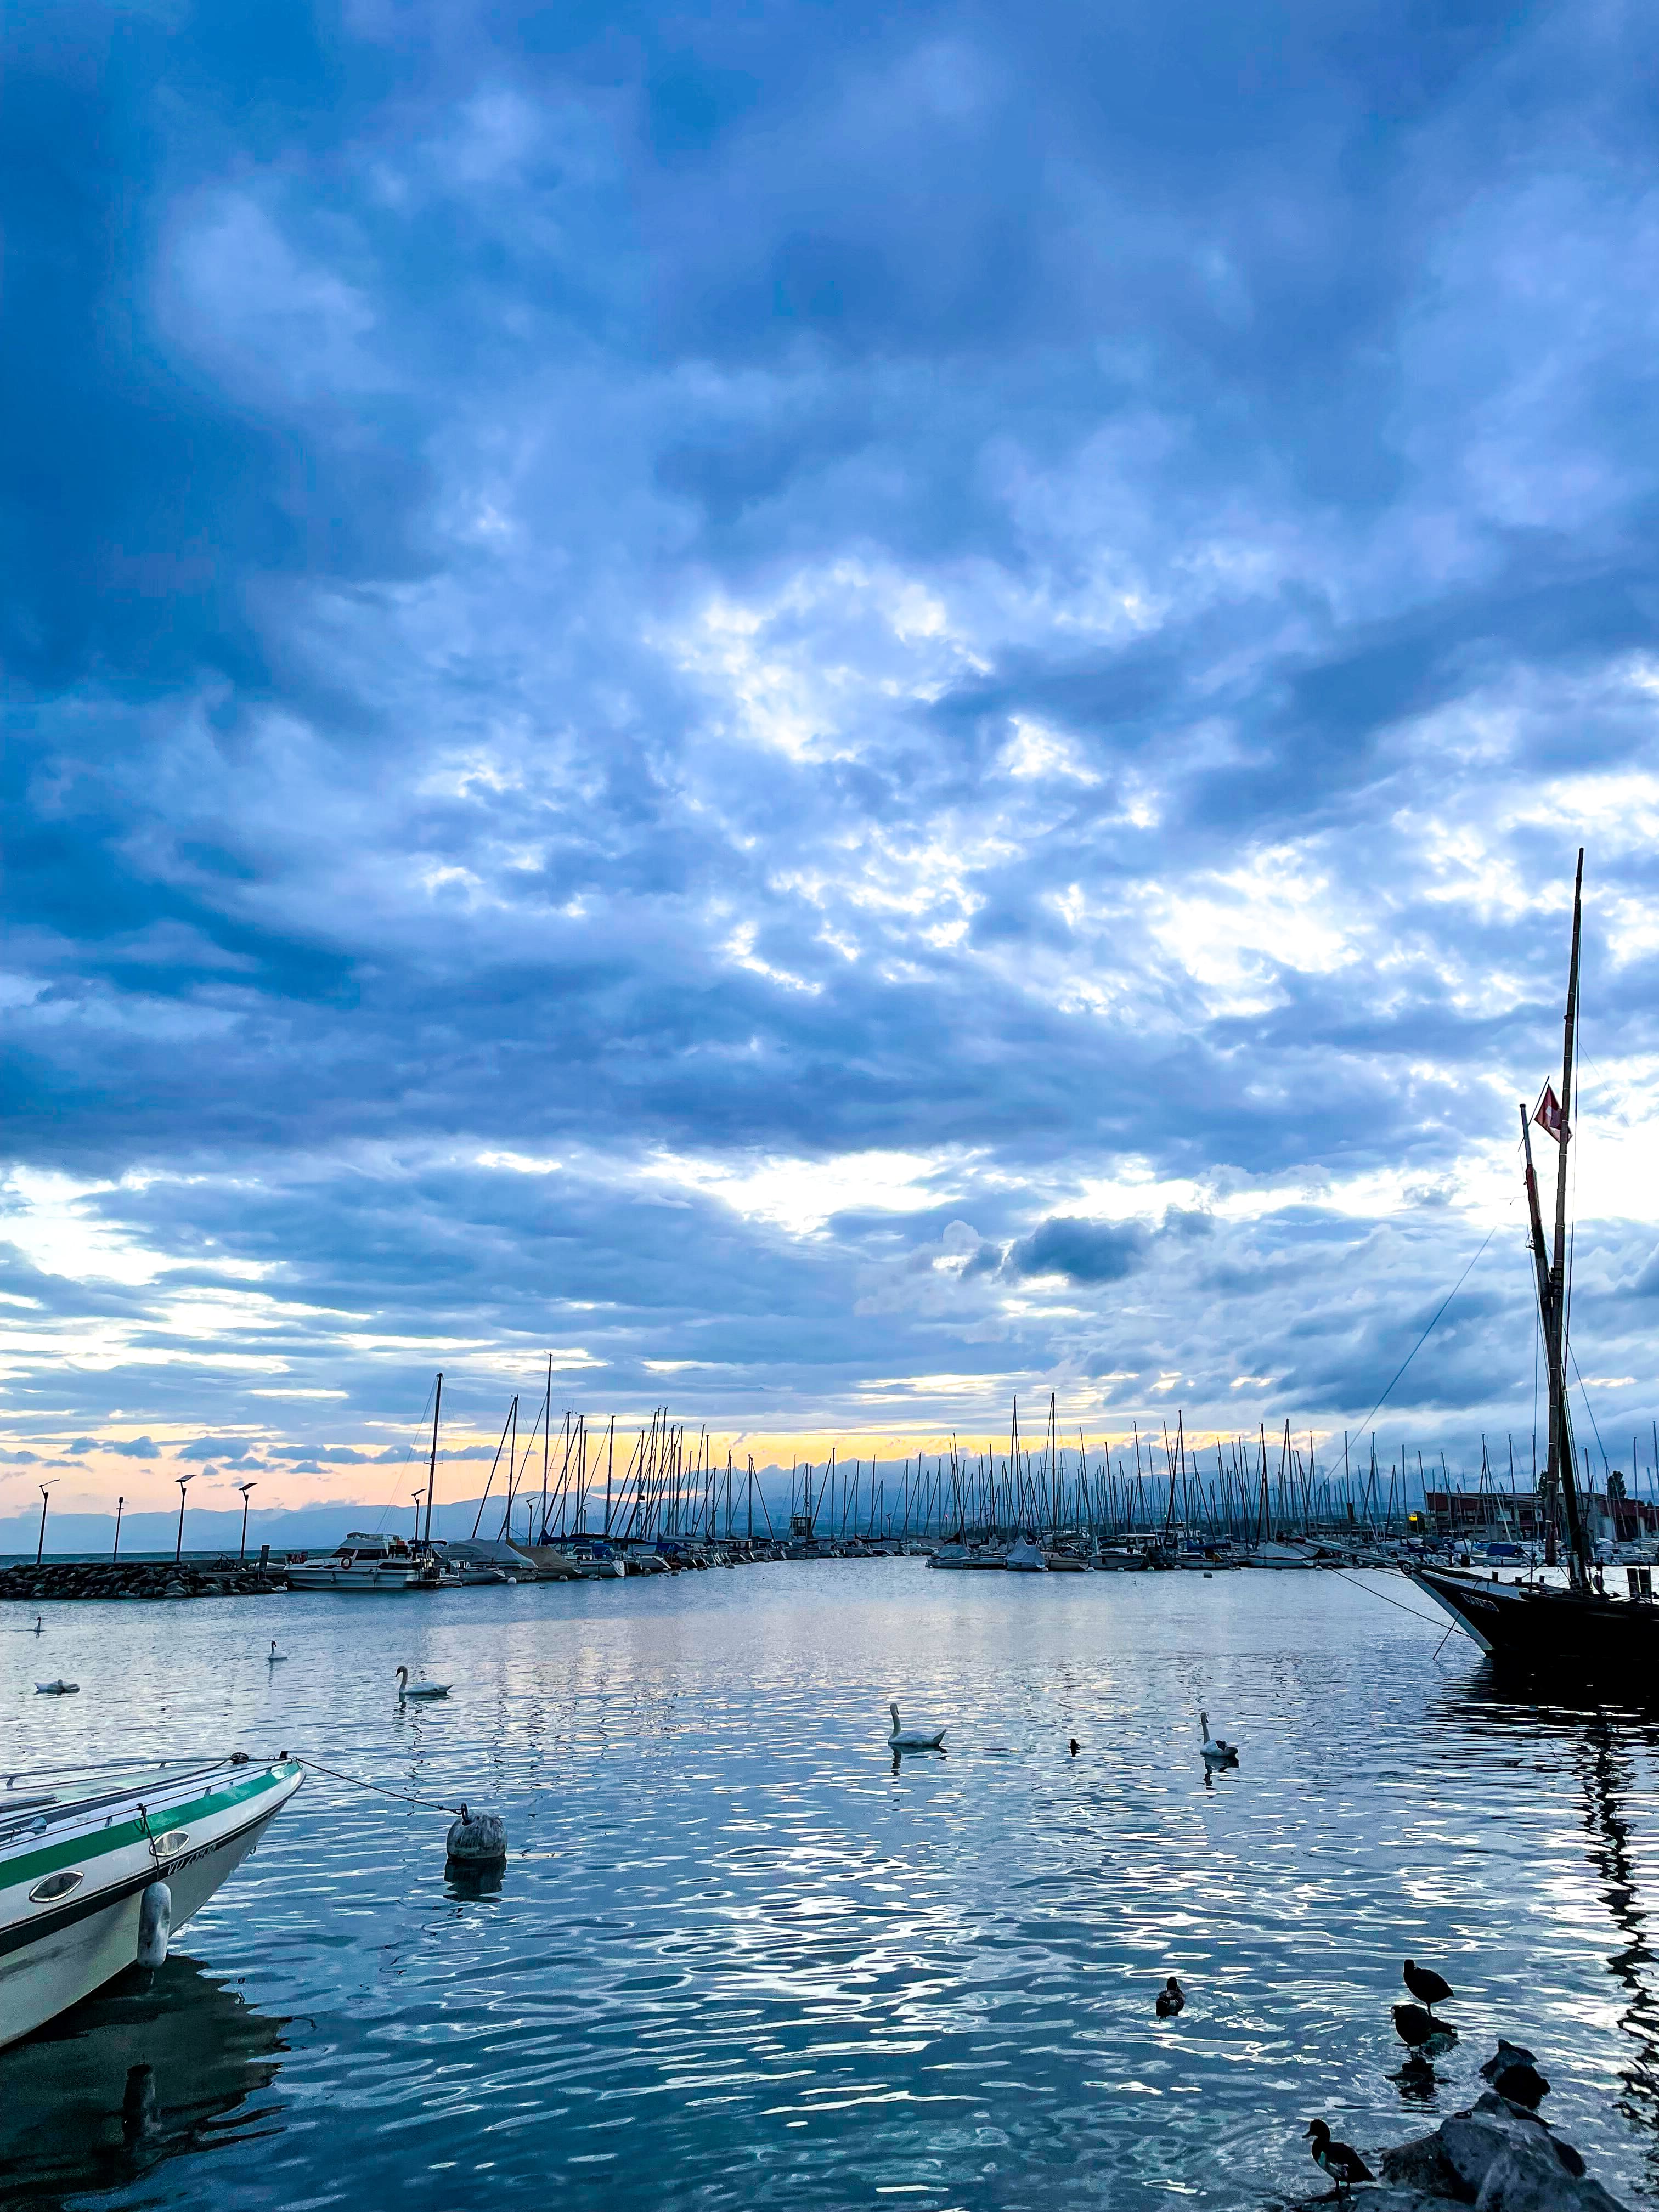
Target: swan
[
  {"x": 408, "y": 1691},
  {"x": 274, "y": 1658},
  {"x": 58, "y": 1689},
  {"x": 1215, "y": 1752},
  {"x": 922, "y": 1735},
  {"x": 37, "y": 1624}
]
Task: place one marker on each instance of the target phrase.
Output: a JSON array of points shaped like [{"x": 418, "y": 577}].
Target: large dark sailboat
[{"x": 1540, "y": 1629}]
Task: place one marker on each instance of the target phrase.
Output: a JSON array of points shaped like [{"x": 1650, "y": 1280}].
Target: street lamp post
[
  {"x": 39, "y": 1549},
  {"x": 183, "y": 1480},
  {"x": 115, "y": 1549},
  {"x": 245, "y": 1487}
]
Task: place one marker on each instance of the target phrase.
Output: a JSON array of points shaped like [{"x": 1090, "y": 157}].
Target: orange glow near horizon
[{"x": 93, "y": 1479}]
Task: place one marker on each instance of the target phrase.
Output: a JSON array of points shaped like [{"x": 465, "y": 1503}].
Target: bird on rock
[
  {"x": 1170, "y": 1999},
  {"x": 1522, "y": 2084},
  {"x": 1425, "y": 1985},
  {"x": 1413, "y": 2026},
  {"x": 1339, "y": 2160}
]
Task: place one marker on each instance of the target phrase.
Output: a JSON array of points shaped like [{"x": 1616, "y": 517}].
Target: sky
[{"x": 836, "y": 712}]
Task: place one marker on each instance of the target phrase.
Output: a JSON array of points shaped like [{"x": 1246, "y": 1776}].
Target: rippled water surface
[{"x": 736, "y": 1958}]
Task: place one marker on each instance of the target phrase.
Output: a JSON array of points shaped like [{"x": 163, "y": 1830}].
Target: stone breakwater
[
  {"x": 147, "y": 1578},
  {"x": 1496, "y": 2156}
]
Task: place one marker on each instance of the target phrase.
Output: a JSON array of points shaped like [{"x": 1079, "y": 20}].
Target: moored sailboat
[{"x": 1562, "y": 1635}]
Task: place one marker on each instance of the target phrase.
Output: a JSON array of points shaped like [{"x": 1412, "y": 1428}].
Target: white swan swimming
[
  {"x": 1215, "y": 1750},
  {"x": 408, "y": 1691},
  {"x": 274, "y": 1658},
  {"x": 921, "y": 1736}
]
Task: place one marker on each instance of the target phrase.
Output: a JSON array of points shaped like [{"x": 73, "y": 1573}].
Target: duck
[
  {"x": 274, "y": 1658},
  {"x": 1522, "y": 2084},
  {"x": 1074, "y": 1746},
  {"x": 1215, "y": 1752},
  {"x": 1171, "y": 1998},
  {"x": 408, "y": 1691},
  {"x": 921, "y": 1736},
  {"x": 1413, "y": 2026},
  {"x": 57, "y": 1689},
  {"x": 1339, "y": 2160},
  {"x": 1426, "y": 1985}
]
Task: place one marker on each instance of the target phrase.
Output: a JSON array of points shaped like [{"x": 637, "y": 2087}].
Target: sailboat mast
[
  {"x": 1560, "y": 1447},
  {"x": 432, "y": 1468},
  {"x": 547, "y": 1440}
]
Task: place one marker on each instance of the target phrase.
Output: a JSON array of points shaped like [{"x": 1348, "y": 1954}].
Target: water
[{"x": 737, "y": 1959}]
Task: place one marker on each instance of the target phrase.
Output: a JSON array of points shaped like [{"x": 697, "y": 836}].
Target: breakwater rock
[
  {"x": 147, "y": 1578},
  {"x": 1496, "y": 2156}
]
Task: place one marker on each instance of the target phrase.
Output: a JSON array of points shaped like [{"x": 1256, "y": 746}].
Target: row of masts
[{"x": 584, "y": 1478}]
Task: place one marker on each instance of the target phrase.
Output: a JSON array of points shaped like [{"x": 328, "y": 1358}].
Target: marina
[
  {"x": 829, "y": 1236},
  {"x": 743, "y": 1951}
]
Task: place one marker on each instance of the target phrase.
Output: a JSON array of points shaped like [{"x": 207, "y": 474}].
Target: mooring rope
[
  {"x": 432, "y": 1804},
  {"x": 1432, "y": 1621}
]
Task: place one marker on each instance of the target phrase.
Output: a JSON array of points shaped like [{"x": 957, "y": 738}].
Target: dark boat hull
[{"x": 1540, "y": 1630}]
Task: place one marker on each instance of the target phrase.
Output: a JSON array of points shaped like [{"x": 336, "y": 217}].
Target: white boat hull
[
  {"x": 53, "y": 1954},
  {"x": 354, "y": 1581}
]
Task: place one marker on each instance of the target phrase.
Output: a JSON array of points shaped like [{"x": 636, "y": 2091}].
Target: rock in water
[
  {"x": 477, "y": 1839},
  {"x": 1506, "y": 2054}
]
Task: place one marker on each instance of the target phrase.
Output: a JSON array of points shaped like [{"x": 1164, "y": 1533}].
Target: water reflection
[
  {"x": 1603, "y": 1733},
  {"x": 1610, "y": 1780},
  {"x": 158, "y": 2065},
  {"x": 738, "y": 1959}
]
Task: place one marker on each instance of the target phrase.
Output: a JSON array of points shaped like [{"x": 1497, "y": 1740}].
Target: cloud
[
  {"x": 1082, "y": 1251},
  {"x": 730, "y": 699}
]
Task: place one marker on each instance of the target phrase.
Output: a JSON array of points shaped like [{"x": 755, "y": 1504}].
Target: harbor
[
  {"x": 739, "y": 1949},
  {"x": 830, "y": 1227}
]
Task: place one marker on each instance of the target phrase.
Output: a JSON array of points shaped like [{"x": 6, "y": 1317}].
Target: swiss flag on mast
[{"x": 1548, "y": 1116}]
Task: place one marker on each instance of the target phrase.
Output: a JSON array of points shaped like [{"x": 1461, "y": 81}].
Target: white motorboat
[
  {"x": 100, "y": 1866},
  {"x": 363, "y": 1566}
]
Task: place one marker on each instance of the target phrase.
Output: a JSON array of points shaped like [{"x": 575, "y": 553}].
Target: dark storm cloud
[
  {"x": 670, "y": 679},
  {"x": 1082, "y": 1251}
]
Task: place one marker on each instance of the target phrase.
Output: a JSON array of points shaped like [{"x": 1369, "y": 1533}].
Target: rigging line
[
  {"x": 1438, "y": 1310},
  {"x": 402, "y": 1469},
  {"x": 1432, "y": 1620},
  {"x": 1589, "y": 1409}
]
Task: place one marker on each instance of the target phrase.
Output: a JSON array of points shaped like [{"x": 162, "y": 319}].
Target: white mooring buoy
[
  {"x": 155, "y": 1924},
  {"x": 477, "y": 1839}
]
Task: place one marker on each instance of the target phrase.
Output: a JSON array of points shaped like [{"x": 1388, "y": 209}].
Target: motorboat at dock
[{"x": 364, "y": 1565}]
